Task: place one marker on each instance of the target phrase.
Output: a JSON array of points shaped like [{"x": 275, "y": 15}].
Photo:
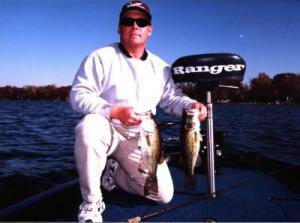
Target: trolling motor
[{"x": 210, "y": 71}]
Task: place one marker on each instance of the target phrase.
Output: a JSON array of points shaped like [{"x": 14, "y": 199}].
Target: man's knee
[
  {"x": 165, "y": 184},
  {"x": 165, "y": 195},
  {"x": 92, "y": 128},
  {"x": 165, "y": 192},
  {"x": 91, "y": 121}
]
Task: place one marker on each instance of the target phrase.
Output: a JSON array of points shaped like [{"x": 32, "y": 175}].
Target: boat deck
[
  {"x": 246, "y": 195},
  {"x": 242, "y": 195}
]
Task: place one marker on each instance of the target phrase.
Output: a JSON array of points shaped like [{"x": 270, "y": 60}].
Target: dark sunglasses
[{"x": 139, "y": 21}]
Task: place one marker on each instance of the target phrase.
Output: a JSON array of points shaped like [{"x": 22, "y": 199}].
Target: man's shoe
[
  {"x": 108, "y": 177},
  {"x": 91, "y": 211}
]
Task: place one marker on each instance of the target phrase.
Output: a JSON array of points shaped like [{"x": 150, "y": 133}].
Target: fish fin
[
  {"x": 168, "y": 159},
  {"x": 198, "y": 161},
  {"x": 190, "y": 180},
  {"x": 195, "y": 137},
  {"x": 142, "y": 166},
  {"x": 148, "y": 140},
  {"x": 162, "y": 158}
]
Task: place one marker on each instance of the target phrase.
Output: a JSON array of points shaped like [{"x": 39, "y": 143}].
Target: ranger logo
[{"x": 215, "y": 69}]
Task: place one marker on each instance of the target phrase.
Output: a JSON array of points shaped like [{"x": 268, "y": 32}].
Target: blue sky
[{"x": 44, "y": 41}]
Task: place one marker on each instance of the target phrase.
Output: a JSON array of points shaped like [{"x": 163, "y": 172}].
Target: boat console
[{"x": 209, "y": 70}]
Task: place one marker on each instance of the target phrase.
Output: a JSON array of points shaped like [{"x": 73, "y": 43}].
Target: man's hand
[
  {"x": 202, "y": 110},
  {"x": 125, "y": 114}
]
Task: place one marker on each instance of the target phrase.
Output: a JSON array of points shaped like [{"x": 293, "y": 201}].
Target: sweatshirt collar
[{"x": 124, "y": 51}]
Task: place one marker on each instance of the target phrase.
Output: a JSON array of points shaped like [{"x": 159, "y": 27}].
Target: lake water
[{"x": 37, "y": 138}]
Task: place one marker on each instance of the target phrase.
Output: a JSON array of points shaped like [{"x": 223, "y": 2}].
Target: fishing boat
[
  {"x": 244, "y": 192},
  {"x": 231, "y": 186}
]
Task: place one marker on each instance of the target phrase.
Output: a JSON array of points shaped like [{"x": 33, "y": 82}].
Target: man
[{"x": 112, "y": 88}]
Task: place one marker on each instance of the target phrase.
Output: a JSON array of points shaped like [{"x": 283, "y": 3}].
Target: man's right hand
[{"x": 125, "y": 114}]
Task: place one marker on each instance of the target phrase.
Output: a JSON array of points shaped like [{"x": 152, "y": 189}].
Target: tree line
[
  {"x": 49, "y": 92},
  {"x": 282, "y": 88}
]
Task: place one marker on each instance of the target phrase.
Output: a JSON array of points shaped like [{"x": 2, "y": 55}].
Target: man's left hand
[{"x": 202, "y": 110}]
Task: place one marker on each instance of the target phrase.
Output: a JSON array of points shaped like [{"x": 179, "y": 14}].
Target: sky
[{"x": 43, "y": 42}]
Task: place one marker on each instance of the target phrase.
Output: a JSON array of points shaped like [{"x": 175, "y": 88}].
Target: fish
[
  {"x": 191, "y": 140},
  {"x": 152, "y": 155}
]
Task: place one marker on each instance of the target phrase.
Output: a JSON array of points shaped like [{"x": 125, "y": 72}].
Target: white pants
[{"x": 96, "y": 139}]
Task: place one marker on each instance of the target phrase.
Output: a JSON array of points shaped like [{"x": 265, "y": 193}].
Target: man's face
[{"x": 133, "y": 34}]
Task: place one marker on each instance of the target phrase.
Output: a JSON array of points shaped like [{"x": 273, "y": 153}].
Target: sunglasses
[{"x": 139, "y": 21}]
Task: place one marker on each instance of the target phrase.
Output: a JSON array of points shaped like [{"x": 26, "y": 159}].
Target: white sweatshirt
[{"x": 108, "y": 77}]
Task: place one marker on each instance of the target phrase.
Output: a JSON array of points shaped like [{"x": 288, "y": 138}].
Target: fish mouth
[{"x": 190, "y": 126}]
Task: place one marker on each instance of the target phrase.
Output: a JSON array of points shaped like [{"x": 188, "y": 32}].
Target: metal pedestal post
[{"x": 210, "y": 147}]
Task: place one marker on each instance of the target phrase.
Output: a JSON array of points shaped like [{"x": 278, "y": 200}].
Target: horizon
[
  {"x": 44, "y": 41},
  {"x": 70, "y": 85}
]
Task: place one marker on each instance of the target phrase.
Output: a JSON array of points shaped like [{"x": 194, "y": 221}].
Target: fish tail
[
  {"x": 151, "y": 186},
  {"x": 190, "y": 180}
]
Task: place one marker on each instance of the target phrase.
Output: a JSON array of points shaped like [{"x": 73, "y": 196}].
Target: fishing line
[{"x": 203, "y": 197}]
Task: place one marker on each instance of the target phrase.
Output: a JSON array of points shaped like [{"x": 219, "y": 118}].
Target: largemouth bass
[
  {"x": 191, "y": 139},
  {"x": 150, "y": 145}
]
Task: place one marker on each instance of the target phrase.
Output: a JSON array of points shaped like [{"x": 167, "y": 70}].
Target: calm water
[{"x": 36, "y": 140}]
